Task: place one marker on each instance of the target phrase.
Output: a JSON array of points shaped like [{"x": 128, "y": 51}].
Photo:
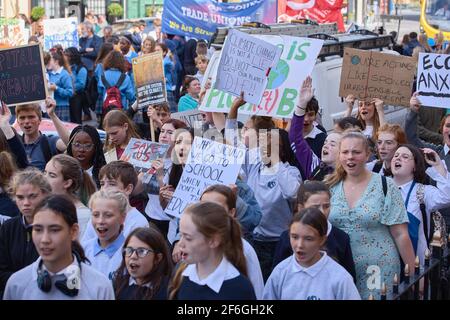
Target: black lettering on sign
[{"x": 22, "y": 77}]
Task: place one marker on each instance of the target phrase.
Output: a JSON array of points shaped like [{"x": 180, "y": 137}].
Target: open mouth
[
  {"x": 351, "y": 165},
  {"x": 397, "y": 165},
  {"x": 101, "y": 231},
  {"x": 184, "y": 256},
  {"x": 325, "y": 152},
  {"x": 133, "y": 267}
]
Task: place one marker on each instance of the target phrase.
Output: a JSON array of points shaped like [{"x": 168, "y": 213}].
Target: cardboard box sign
[
  {"x": 22, "y": 75},
  {"x": 370, "y": 74}
]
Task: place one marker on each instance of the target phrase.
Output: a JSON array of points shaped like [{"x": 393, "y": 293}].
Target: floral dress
[{"x": 367, "y": 224}]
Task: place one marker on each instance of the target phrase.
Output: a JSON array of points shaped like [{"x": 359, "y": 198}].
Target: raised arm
[
  {"x": 349, "y": 101},
  {"x": 63, "y": 133},
  {"x": 379, "y": 106}
]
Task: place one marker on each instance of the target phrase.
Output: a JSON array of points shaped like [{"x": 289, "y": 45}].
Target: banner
[
  {"x": 22, "y": 73},
  {"x": 320, "y": 11},
  {"x": 60, "y": 31},
  {"x": 208, "y": 163},
  {"x": 371, "y": 74},
  {"x": 200, "y": 18},
  {"x": 12, "y": 33},
  {"x": 433, "y": 83},
  {"x": 297, "y": 61},
  {"x": 141, "y": 154},
  {"x": 149, "y": 79}
]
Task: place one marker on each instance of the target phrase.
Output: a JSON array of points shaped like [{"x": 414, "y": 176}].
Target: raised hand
[
  {"x": 414, "y": 102},
  {"x": 306, "y": 93},
  {"x": 378, "y": 104},
  {"x": 50, "y": 105},
  {"x": 350, "y": 100},
  {"x": 5, "y": 115}
]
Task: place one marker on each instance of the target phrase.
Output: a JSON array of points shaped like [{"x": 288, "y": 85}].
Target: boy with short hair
[
  {"x": 201, "y": 62},
  {"x": 39, "y": 147},
  {"x": 314, "y": 133},
  {"x": 122, "y": 176}
]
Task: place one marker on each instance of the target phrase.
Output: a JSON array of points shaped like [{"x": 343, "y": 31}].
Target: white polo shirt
[{"x": 325, "y": 280}]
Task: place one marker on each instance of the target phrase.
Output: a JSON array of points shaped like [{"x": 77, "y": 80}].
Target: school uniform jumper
[
  {"x": 23, "y": 285},
  {"x": 136, "y": 292},
  {"x": 225, "y": 283},
  {"x": 64, "y": 91}
]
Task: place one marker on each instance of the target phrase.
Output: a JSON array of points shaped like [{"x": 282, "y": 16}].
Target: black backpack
[{"x": 91, "y": 92}]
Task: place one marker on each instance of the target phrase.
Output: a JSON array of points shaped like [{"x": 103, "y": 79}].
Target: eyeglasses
[
  {"x": 85, "y": 147},
  {"x": 141, "y": 252}
]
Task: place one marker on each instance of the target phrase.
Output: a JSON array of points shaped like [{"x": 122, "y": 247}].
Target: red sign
[{"x": 320, "y": 11}]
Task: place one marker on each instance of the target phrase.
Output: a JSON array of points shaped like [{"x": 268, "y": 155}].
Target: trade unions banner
[
  {"x": 208, "y": 163},
  {"x": 60, "y": 31},
  {"x": 369, "y": 74},
  {"x": 200, "y": 18},
  {"x": 433, "y": 81},
  {"x": 281, "y": 95},
  {"x": 245, "y": 64},
  {"x": 12, "y": 33},
  {"x": 320, "y": 11},
  {"x": 149, "y": 79}
]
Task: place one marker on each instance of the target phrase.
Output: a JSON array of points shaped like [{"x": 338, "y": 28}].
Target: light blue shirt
[{"x": 106, "y": 260}]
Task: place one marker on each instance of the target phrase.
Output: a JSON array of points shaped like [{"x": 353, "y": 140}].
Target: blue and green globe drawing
[
  {"x": 355, "y": 60},
  {"x": 278, "y": 75}
]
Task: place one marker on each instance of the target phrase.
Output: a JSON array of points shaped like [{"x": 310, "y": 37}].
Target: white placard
[
  {"x": 60, "y": 31},
  {"x": 245, "y": 64},
  {"x": 208, "y": 163},
  {"x": 281, "y": 95},
  {"x": 433, "y": 79}
]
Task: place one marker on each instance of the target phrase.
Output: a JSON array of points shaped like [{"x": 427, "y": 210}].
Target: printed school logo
[{"x": 271, "y": 184}]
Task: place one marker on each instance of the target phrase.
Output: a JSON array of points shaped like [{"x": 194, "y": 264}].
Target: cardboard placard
[
  {"x": 245, "y": 64},
  {"x": 22, "y": 75},
  {"x": 371, "y": 74},
  {"x": 281, "y": 95},
  {"x": 141, "y": 154},
  {"x": 433, "y": 81},
  {"x": 149, "y": 79},
  {"x": 60, "y": 31},
  {"x": 208, "y": 163}
]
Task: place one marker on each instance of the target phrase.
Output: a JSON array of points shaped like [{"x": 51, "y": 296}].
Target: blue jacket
[
  {"x": 88, "y": 58},
  {"x": 169, "y": 73},
  {"x": 64, "y": 84},
  {"x": 126, "y": 89},
  {"x": 79, "y": 75}
]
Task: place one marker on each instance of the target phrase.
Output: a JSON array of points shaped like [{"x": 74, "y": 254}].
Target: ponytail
[
  {"x": 233, "y": 248},
  {"x": 177, "y": 279},
  {"x": 78, "y": 250}
]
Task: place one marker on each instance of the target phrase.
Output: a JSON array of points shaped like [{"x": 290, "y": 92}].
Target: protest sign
[
  {"x": 22, "y": 75},
  {"x": 370, "y": 74},
  {"x": 149, "y": 79},
  {"x": 281, "y": 95},
  {"x": 208, "y": 163},
  {"x": 60, "y": 31},
  {"x": 200, "y": 18},
  {"x": 193, "y": 118},
  {"x": 141, "y": 154},
  {"x": 12, "y": 32},
  {"x": 433, "y": 83},
  {"x": 245, "y": 64}
]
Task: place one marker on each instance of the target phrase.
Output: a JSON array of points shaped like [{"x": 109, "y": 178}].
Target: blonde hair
[
  {"x": 201, "y": 58},
  {"x": 30, "y": 176},
  {"x": 339, "y": 174},
  {"x": 108, "y": 194},
  {"x": 29, "y": 107}
]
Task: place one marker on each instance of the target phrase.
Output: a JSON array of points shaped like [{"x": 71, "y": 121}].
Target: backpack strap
[
  {"x": 377, "y": 167},
  {"x": 121, "y": 80},
  {"x": 384, "y": 183},
  {"x": 105, "y": 82},
  {"x": 420, "y": 194}
]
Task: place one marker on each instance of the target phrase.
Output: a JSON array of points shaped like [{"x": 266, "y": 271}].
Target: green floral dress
[{"x": 367, "y": 224}]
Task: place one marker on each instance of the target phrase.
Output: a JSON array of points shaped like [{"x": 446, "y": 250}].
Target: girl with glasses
[
  {"x": 408, "y": 169},
  {"x": 146, "y": 266}
]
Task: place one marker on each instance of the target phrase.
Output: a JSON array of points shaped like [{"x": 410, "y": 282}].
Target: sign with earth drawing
[{"x": 280, "y": 97}]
